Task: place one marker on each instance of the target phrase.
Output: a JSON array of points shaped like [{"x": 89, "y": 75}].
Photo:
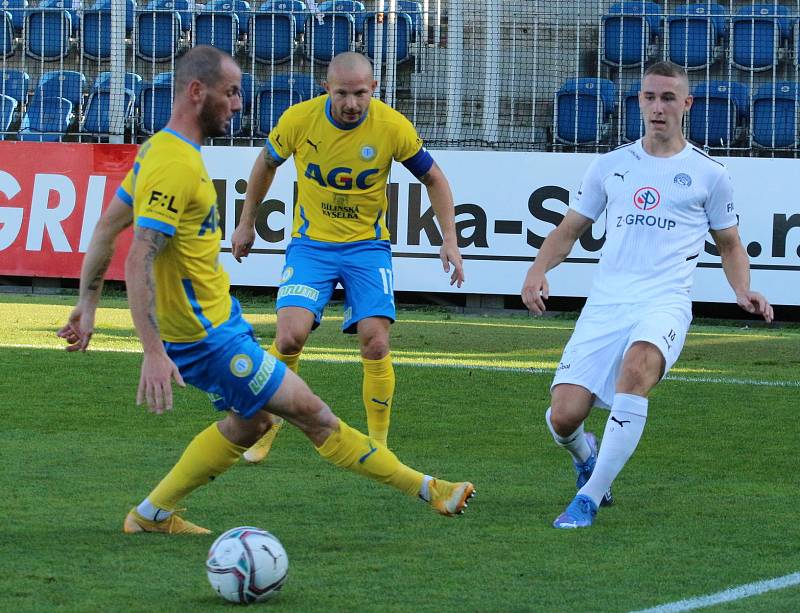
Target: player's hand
[
  {"x": 449, "y": 254},
  {"x": 155, "y": 382},
  {"x": 242, "y": 241},
  {"x": 535, "y": 291},
  {"x": 79, "y": 328},
  {"x": 755, "y": 303}
]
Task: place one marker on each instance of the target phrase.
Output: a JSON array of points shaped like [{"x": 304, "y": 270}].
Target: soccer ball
[{"x": 247, "y": 565}]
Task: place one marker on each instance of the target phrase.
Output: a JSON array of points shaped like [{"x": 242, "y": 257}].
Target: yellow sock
[
  {"x": 208, "y": 455},
  {"x": 377, "y": 392},
  {"x": 292, "y": 360},
  {"x": 352, "y": 450}
]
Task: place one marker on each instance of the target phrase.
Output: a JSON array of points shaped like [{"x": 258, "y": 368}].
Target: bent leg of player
[
  {"x": 366, "y": 272},
  {"x": 302, "y": 296}
]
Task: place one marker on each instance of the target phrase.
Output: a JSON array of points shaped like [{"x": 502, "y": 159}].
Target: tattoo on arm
[
  {"x": 96, "y": 281},
  {"x": 155, "y": 242},
  {"x": 269, "y": 160}
]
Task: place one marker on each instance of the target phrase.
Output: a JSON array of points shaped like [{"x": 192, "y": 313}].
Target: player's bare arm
[
  {"x": 80, "y": 325},
  {"x": 158, "y": 370},
  {"x": 261, "y": 177},
  {"x": 441, "y": 198},
  {"x": 736, "y": 265},
  {"x": 554, "y": 250}
]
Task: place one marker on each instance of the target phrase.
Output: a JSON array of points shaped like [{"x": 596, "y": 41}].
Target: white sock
[
  {"x": 424, "y": 490},
  {"x": 149, "y": 511},
  {"x": 575, "y": 443},
  {"x": 623, "y": 430}
]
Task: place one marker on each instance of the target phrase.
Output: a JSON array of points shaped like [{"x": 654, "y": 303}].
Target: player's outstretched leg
[
  {"x": 584, "y": 470},
  {"x": 259, "y": 451}
]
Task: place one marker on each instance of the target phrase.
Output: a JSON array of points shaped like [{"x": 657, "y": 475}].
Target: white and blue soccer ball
[{"x": 247, "y": 565}]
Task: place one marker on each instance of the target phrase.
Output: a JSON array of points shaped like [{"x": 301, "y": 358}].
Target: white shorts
[{"x": 593, "y": 356}]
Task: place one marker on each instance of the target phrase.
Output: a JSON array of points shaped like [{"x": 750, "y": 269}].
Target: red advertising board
[{"x": 51, "y": 196}]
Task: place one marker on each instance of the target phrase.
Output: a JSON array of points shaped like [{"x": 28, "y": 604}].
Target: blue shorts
[
  {"x": 230, "y": 366},
  {"x": 364, "y": 268}
]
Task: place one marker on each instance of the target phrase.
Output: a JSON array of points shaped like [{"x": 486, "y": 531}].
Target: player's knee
[
  {"x": 290, "y": 341},
  {"x": 375, "y": 347},
  {"x": 563, "y": 420}
]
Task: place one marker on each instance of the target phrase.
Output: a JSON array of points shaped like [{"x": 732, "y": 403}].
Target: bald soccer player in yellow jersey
[
  {"x": 192, "y": 330},
  {"x": 343, "y": 145}
]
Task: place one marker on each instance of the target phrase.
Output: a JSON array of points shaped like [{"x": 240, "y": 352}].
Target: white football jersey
[{"x": 658, "y": 213}]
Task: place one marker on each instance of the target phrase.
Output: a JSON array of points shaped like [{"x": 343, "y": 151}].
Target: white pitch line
[
  {"x": 400, "y": 361},
  {"x": 729, "y": 595}
]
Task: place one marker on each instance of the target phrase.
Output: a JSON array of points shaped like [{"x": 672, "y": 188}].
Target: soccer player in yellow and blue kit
[
  {"x": 192, "y": 330},
  {"x": 343, "y": 145}
]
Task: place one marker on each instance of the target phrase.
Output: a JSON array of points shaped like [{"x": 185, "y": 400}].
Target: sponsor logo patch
[
  {"x": 299, "y": 290},
  {"x": 262, "y": 375}
]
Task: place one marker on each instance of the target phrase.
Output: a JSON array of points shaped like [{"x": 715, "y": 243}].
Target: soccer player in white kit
[{"x": 661, "y": 196}]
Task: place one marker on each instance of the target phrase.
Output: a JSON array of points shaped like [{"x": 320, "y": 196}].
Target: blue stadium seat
[
  {"x": 775, "y": 115},
  {"x": 8, "y": 44},
  {"x": 159, "y": 35},
  {"x": 337, "y": 33},
  {"x": 403, "y": 30},
  {"x": 583, "y": 109},
  {"x": 270, "y": 105},
  {"x": 719, "y": 112},
  {"x": 240, "y": 7},
  {"x": 67, "y": 6},
  {"x": 347, "y": 7},
  {"x": 69, "y": 84},
  {"x": 46, "y": 120},
  {"x": 633, "y": 127},
  {"x": 182, "y": 6},
  {"x": 695, "y": 33},
  {"x": 133, "y": 82},
  {"x": 272, "y": 36},
  {"x": 96, "y": 39},
  {"x": 296, "y": 8},
  {"x": 130, "y": 10},
  {"x": 414, "y": 10},
  {"x": 17, "y": 10},
  {"x": 15, "y": 83},
  {"x": 630, "y": 33},
  {"x": 247, "y": 92},
  {"x": 7, "y": 107},
  {"x": 760, "y": 36},
  {"x": 220, "y": 30},
  {"x": 96, "y": 117},
  {"x": 302, "y": 84},
  {"x": 49, "y": 32},
  {"x": 155, "y": 102}
]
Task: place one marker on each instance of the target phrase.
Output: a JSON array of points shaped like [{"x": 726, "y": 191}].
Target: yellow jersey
[
  {"x": 171, "y": 192},
  {"x": 342, "y": 170}
]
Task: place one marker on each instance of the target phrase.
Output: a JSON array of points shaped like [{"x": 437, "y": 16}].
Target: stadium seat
[
  {"x": 8, "y": 44},
  {"x": 760, "y": 36},
  {"x": 48, "y": 34},
  {"x": 97, "y": 117},
  {"x": 414, "y": 11},
  {"x": 270, "y": 105},
  {"x": 583, "y": 109},
  {"x": 15, "y": 83},
  {"x": 775, "y": 115},
  {"x": 133, "y": 82},
  {"x": 347, "y": 7},
  {"x": 130, "y": 10},
  {"x": 403, "y": 29},
  {"x": 718, "y": 113},
  {"x": 247, "y": 92},
  {"x": 296, "y": 8},
  {"x": 220, "y": 30},
  {"x": 69, "y": 84},
  {"x": 630, "y": 33},
  {"x": 17, "y": 10},
  {"x": 96, "y": 39},
  {"x": 46, "y": 120},
  {"x": 240, "y": 7},
  {"x": 272, "y": 36},
  {"x": 7, "y": 107},
  {"x": 302, "y": 84},
  {"x": 181, "y": 6},
  {"x": 337, "y": 33},
  {"x": 695, "y": 33},
  {"x": 159, "y": 34},
  {"x": 155, "y": 102},
  {"x": 67, "y": 6},
  {"x": 633, "y": 127}
]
